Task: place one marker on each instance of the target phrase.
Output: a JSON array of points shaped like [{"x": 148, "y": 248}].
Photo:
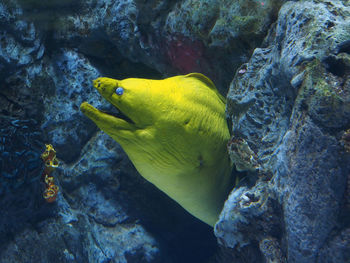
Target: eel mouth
[
  {"x": 115, "y": 112},
  {"x": 91, "y": 111}
]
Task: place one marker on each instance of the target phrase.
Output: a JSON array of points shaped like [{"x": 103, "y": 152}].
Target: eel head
[{"x": 132, "y": 99}]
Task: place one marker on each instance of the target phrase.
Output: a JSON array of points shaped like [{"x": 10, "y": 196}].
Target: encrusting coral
[{"x": 51, "y": 163}]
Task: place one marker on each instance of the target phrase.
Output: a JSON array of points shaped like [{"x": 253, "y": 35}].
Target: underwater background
[{"x": 285, "y": 68}]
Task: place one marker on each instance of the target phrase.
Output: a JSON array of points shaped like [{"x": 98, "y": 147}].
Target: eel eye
[
  {"x": 98, "y": 83},
  {"x": 119, "y": 91}
]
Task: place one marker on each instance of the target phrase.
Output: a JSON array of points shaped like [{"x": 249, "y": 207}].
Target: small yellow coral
[
  {"x": 50, "y": 193},
  {"x": 51, "y": 163},
  {"x": 49, "y": 179},
  {"x": 48, "y": 153}
]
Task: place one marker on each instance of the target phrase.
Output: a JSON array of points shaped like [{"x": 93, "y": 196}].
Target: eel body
[{"x": 175, "y": 132}]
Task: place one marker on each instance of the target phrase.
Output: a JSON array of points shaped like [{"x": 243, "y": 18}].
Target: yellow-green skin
[{"x": 177, "y": 137}]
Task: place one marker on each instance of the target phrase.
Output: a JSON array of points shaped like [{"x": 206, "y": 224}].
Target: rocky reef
[
  {"x": 291, "y": 103},
  {"x": 285, "y": 67}
]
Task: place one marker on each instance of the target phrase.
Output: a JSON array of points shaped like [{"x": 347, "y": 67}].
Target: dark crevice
[
  {"x": 121, "y": 68},
  {"x": 344, "y": 47},
  {"x": 336, "y": 66}
]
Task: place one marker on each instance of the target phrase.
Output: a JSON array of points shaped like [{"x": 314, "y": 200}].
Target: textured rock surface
[
  {"x": 291, "y": 103},
  {"x": 104, "y": 211},
  {"x": 212, "y": 36}
]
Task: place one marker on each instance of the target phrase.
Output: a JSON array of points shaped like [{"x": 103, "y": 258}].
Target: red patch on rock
[{"x": 185, "y": 55}]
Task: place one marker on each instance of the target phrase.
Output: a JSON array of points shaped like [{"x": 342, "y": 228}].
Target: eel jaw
[{"x": 104, "y": 120}]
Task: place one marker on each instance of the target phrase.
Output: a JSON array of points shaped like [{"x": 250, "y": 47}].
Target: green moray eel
[{"x": 175, "y": 132}]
